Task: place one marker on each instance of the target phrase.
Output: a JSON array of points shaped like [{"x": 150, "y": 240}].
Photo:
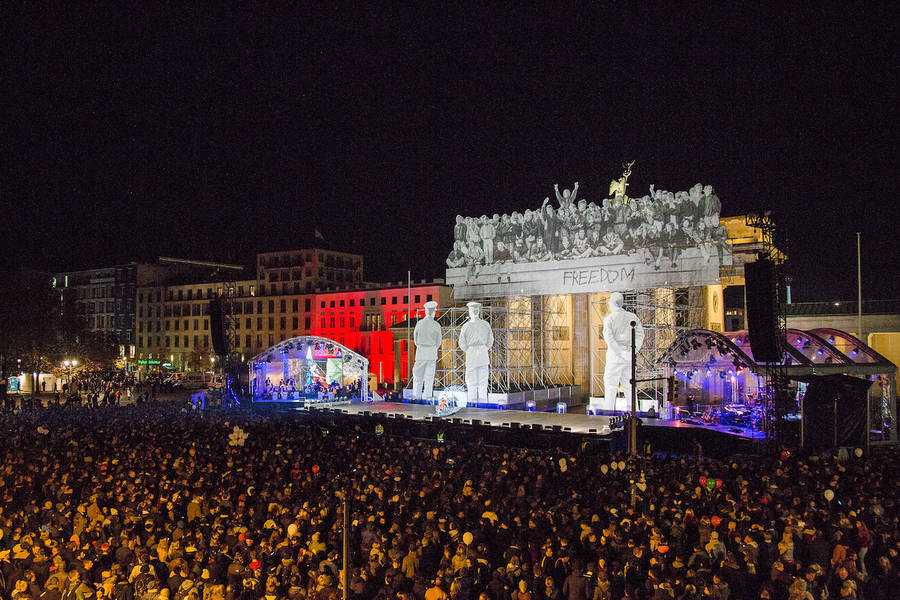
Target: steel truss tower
[
  {"x": 532, "y": 343},
  {"x": 665, "y": 313}
]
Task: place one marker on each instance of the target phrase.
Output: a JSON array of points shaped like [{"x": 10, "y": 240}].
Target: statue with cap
[
  {"x": 476, "y": 339},
  {"x": 617, "y": 333},
  {"x": 427, "y": 338}
]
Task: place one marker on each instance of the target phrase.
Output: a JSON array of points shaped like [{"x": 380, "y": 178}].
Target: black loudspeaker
[
  {"x": 216, "y": 327},
  {"x": 762, "y": 313}
]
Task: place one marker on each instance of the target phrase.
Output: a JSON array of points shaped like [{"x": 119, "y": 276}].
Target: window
[
  {"x": 259, "y": 307},
  {"x": 140, "y": 326},
  {"x": 307, "y": 305},
  {"x": 247, "y": 323},
  {"x": 196, "y": 324},
  {"x": 352, "y": 302},
  {"x": 306, "y": 323},
  {"x": 342, "y": 304},
  {"x": 405, "y": 299},
  {"x": 180, "y": 297},
  {"x": 259, "y": 322},
  {"x": 168, "y": 323},
  {"x": 271, "y": 322},
  {"x": 258, "y": 340},
  {"x": 248, "y": 307},
  {"x": 331, "y": 305},
  {"x": 196, "y": 345},
  {"x": 383, "y": 300},
  {"x": 141, "y": 340},
  {"x": 294, "y": 305},
  {"x": 247, "y": 340},
  {"x": 282, "y": 323},
  {"x": 322, "y": 325},
  {"x": 206, "y": 341},
  {"x": 428, "y": 297},
  {"x": 190, "y": 295},
  {"x": 167, "y": 341},
  {"x": 342, "y": 321},
  {"x": 352, "y": 322},
  {"x": 332, "y": 322},
  {"x": 295, "y": 322},
  {"x": 282, "y": 306},
  {"x": 393, "y": 299},
  {"x": 418, "y": 298},
  {"x": 323, "y": 304},
  {"x": 177, "y": 339},
  {"x": 205, "y": 324},
  {"x": 271, "y": 307},
  {"x": 185, "y": 341},
  {"x": 186, "y": 325}
]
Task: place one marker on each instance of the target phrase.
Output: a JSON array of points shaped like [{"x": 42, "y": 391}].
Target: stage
[{"x": 577, "y": 423}]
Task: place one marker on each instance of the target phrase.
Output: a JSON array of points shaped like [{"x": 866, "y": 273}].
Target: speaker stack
[{"x": 762, "y": 311}]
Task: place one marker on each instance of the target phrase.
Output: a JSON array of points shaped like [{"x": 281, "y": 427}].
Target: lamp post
[{"x": 632, "y": 446}]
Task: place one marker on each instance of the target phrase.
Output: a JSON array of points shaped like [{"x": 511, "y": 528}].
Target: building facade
[{"x": 105, "y": 299}]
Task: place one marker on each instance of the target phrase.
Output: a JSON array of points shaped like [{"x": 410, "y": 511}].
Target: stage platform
[{"x": 571, "y": 422}]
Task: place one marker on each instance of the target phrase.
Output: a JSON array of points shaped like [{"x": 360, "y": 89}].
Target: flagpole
[{"x": 408, "y": 317}]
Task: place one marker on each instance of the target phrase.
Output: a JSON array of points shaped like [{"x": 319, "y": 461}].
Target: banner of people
[{"x": 661, "y": 239}]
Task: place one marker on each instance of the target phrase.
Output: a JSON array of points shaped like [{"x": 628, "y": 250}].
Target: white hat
[
  {"x": 473, "y": 304},
  {"x": 430, "y": 304}
]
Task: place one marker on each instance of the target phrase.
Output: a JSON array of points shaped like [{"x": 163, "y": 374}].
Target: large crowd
[{"x": 158, "y": 502}]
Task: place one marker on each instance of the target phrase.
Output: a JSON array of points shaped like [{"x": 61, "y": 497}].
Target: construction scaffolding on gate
[
  {"x": 532, "y": 343},
  {"x": 664, "y": 313}
]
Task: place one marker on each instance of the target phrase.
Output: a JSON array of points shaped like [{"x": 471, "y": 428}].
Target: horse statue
[{"x": 617, "y": 186}]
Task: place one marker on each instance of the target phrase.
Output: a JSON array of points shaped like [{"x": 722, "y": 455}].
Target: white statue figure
[
  {"x": 617, "y": 333},
  {"x": 427, "y": 337},
  {"x": 476, "y": 339}
]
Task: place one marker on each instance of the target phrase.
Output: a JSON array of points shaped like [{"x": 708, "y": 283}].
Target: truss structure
[
  {"x": 532, "y": 343},
  {"x": 665, "y": 313}
]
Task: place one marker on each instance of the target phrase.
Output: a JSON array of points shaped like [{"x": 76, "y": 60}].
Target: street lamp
[{"x": 69, "y": 365}]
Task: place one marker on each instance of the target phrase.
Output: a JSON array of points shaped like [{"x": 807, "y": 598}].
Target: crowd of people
[
  {"x": 152, "y": 502},
  {"x": 660, "y": 227}
]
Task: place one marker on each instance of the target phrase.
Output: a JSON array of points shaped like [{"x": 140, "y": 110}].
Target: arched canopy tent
[
  {"x": 813, "y": 352},
  {"x": 306, "y": 367},
  {"x": 718, "y": 369}
]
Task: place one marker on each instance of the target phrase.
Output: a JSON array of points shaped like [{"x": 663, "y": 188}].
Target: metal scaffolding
[
  {"x": 664, "y": 313},
  {"x": 532, "y": 343}
]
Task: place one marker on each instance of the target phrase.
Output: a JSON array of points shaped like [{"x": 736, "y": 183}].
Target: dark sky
[{"x": 216, "y": 133}]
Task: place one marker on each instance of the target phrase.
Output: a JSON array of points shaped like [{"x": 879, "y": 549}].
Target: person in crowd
[{"x": 146, "y": 502}]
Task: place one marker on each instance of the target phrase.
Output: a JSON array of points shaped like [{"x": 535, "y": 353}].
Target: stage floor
[{"x": 569, "y": 422}]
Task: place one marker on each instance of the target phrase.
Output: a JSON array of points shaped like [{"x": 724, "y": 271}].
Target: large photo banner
[{"x": 663, "y": 239}]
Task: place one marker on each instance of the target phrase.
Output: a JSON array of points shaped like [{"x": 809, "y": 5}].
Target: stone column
[{"x": 581, "y": 342}]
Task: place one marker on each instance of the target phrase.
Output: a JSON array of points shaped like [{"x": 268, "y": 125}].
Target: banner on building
[{"x": 664, "y": 239}]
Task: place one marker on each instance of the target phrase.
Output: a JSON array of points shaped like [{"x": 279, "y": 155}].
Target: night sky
[{"x": 214, "y": 133}]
